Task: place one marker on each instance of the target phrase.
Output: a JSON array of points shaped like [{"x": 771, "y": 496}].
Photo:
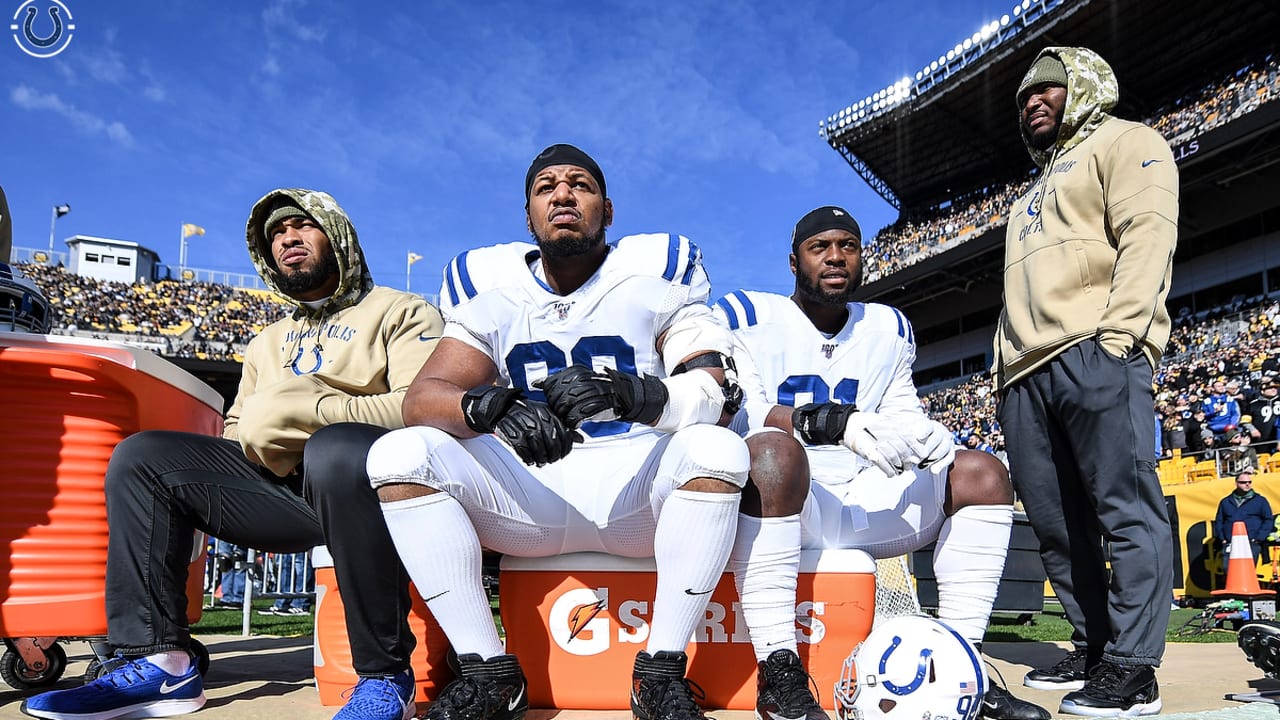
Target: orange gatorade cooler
[
  {"x": 577, "y": 621},
  {"x": 67, "y": 403},
  {"x": 332, "y": 650}
]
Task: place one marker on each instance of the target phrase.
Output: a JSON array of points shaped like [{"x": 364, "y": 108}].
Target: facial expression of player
[
  {"x": 1042, "y": 114},
  {"x": 567, "y": 213},
  {"x": 307, "y": 263},
  {"x": 828, "y": 267}
]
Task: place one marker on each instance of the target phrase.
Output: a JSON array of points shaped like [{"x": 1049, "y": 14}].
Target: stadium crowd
[
  {"x": 186, "y": 319},
  {"x": 912, "y": 239},
  {"x": 1216, "y": 390}
]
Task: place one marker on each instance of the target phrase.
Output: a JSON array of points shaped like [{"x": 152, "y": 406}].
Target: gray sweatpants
[{"x": 1081, "y": 455}]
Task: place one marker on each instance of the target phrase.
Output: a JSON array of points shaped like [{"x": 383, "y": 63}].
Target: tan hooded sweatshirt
[
  {"x": 351, "y": 360},
  {"x": 1089, "y": 247}
]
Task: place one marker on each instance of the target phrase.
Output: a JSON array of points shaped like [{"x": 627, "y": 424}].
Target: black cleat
[
  {"x": 1071, "y": 673},
  {"x": 1116, "y": 691},
  {"x": 493, "y": 689},
  {"x": 660, "y": 691},
  {"x": 783, "y": 689},
  {"x": 1260, "y": 641},
  {"x": 1000, "y": 704}
]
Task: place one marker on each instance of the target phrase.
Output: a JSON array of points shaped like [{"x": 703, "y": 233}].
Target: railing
[{"x": 278, "y": 576}]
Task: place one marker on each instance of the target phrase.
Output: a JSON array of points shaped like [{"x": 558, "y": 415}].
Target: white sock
[
  {"x": 691, "y": 547},
  {"x": 968, "y": 561},
  {"x": 438, "y": 546},
  {"x": 174, "y": 662},
  {"x": 765, "y": 563}
]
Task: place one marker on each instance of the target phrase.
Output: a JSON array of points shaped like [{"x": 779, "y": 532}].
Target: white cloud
[
  {"x": 154, "y": 93},
  {"x": 279, "y": 15},
  {"x": 28, "y": 98}
]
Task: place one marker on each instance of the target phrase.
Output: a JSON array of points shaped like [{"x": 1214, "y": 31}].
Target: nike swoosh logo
[
  {"x": 515, "y": 701},
  {"x": 428, "y": 338},
  {"x": 776, "y": 716},
  {"x": 689, "y": 591},
  {"x": 166, "y": 688},
  {"x": 433, "y": 597},
  {"x": 1145, "y": 163}
]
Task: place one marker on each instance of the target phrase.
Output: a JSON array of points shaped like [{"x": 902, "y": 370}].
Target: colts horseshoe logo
[
  {"x": 319, "y": 360},
  {"x": 921, "y": 670},
  {"x": 25, "y": 32}
]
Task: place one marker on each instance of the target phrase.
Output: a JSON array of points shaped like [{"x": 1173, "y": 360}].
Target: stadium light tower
[{"x": 58, "y": 211}]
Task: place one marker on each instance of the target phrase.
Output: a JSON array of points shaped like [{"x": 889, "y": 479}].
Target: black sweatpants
[
  {"x": 161, "y": 486},
  {"x": 1081, "y": 449}
]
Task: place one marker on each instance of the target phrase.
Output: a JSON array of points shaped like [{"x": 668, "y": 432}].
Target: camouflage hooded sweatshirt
[
  {"x": 350, "y": 360},
  {"x": 1089, "y": 248}
]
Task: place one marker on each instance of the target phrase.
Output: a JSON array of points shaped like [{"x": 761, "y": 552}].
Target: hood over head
[
  {"x": 355, "y": 280},
  {"x": 1092, "y": 91}
]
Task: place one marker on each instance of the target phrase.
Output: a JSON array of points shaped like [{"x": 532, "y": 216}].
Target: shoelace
[
  {"x": 674, "y": 698},
  {"x": 1107, "y": 679},
  {"x": 129, "y": 673},
  {"x": 384, "y": 686},
  {"x": 466, "y": 698},
  {"x": 1068, "y": 664},
  {"x": 793, "y": 687}
]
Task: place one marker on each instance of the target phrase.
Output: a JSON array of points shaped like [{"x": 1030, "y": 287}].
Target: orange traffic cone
[{"x": 1242, "y": 577}]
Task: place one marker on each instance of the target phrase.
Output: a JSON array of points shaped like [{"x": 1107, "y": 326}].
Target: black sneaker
[
  {"x": 1116, "y": 691},
  {"x": 1070, "y": 673},
  {"x": 493, "y": 689},
  {"x": 782, "y": 689},
  {"x": 1260, "y": 642},
  {"x": 660, "y": 691},
  {"x": 1000, "y": 704}
]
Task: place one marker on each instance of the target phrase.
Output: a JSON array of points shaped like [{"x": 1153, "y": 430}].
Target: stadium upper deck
[
  {"x": 944, "y": 138},
  {"x": 951, "y": 130}
]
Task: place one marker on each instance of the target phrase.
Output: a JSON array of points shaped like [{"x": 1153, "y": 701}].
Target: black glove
[
  {"x": 576, "y": 394},
  {"x": 529, "y": 427},
  {"x": 822, "y": 423},
  {"x": 638, "y": 399}
]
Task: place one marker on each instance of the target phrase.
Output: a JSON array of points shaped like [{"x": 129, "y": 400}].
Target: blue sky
[{"x": 421, "y": 118}]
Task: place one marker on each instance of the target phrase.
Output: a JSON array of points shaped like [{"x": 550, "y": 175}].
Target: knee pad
[
  {"x": 711, "y": 451},
  {"x": 404, "y": 456}
]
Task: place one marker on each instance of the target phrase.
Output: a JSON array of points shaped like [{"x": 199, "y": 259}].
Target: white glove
[
  {"x": 886, "y": 441},
  {"x": 937, "y": 447}
]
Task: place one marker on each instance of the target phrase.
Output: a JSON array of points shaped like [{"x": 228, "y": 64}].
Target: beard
[
  {"x": 570, "y": 246},
  {"x": 810, "y": 290},
  {"x": 308, "y": 279}
]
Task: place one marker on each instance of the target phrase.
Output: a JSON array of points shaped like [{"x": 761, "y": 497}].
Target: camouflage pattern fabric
[
  {"x": 1092, "y": 91},
  {"x": 356, "y": 281}
]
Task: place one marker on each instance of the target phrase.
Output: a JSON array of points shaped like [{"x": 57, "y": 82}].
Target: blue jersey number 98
[{"x": 528, "y": 355}]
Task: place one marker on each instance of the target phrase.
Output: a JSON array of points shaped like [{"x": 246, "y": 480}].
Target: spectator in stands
[
  {"x": 1246, "y": 505},
  {"x": 294, "y": 577},
  {"x": 231, "y": 563},
  {"x": 1264, "y": 409},
  {"x": 280, "y": 480},
  {"x": 1087, "y": 273},
  {"x": 1239, "y": 456},
  {"x": 1223, "y": 410}
]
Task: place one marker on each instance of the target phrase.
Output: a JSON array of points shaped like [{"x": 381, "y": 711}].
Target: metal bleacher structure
[{"x": 949, "y": 137}]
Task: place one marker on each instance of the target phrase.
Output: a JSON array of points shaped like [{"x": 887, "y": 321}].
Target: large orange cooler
[
  {"x": 332, "y": 651},
  {"x": 577, "y": 621},
  {"x": 67, "y": 403}
]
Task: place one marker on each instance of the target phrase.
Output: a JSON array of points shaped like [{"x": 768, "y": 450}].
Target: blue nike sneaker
[
  {"x": 134, "y": 688},
  {"x": 381, "y": 698}
]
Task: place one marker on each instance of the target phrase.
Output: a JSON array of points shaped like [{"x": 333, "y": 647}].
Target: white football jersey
[
  {"x": 494, "y": 300},
  {"x": 784, "y": 360}
]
